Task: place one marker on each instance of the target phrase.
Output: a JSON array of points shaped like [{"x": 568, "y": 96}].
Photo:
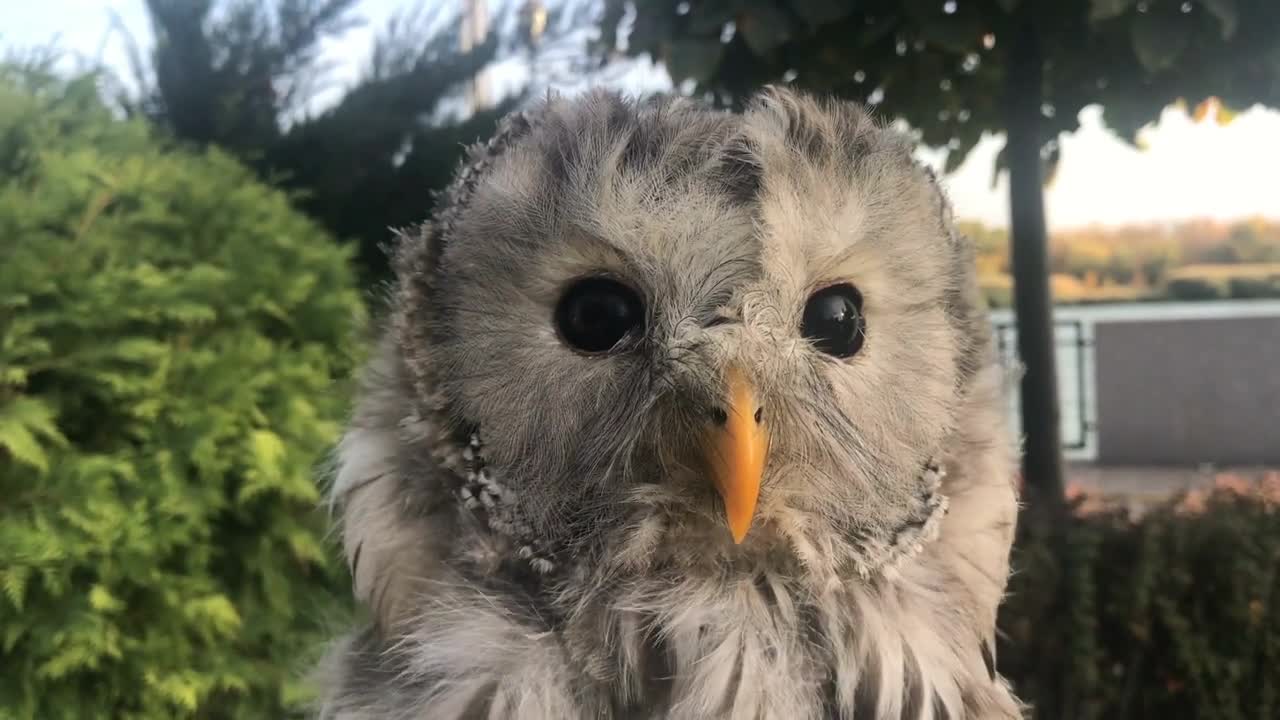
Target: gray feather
[{"x": 572, "y": 560}]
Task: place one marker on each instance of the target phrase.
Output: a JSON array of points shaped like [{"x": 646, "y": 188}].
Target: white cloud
[{"x": 1186, "y": 170}]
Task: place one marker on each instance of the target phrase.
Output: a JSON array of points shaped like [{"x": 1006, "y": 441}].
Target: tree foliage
[
  {"x": 170, "y": 332},
  {"x": 227, "y": 79},
  {"x": 238, "y": 75},
  {"x": 939, "y": 64}
]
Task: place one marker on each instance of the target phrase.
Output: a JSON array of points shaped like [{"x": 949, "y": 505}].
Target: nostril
[
  {"x": 759, "y": 415},
  {"x": 719, "y": 416}
]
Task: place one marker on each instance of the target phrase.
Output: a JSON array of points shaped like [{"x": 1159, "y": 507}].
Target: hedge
[
  {"x": 1174, "y": 614},
  {"x": 170, "y": 335}
]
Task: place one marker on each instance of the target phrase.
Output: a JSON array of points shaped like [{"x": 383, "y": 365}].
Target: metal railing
[{"x": 1075, "y": 394}]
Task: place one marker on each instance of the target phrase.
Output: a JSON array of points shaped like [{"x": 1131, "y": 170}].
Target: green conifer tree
[{"x": 170, "y": 336}]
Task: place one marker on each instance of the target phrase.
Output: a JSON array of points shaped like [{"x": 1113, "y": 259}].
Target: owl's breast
[{"x": 773, "y": 646}]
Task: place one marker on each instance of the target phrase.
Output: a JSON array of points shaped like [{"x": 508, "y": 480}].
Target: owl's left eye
[
  {"x": 596, "y": 314},
  {"x": 833, "y": 320}
]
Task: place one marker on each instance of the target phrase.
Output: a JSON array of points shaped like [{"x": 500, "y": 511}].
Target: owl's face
[{"x": 737, "y": 321}]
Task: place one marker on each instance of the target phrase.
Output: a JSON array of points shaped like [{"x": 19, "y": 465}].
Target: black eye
[
  {"x": 597, "y": 313},
  {"x": 833, "y": 320}
]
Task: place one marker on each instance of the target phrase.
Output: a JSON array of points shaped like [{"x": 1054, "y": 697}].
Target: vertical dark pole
[{"x": 1024, "y": 92}]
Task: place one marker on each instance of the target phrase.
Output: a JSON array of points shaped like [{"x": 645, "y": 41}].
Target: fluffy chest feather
[
  {"x": 493, "y": 636},
  {"x": 691, "y": 647}
]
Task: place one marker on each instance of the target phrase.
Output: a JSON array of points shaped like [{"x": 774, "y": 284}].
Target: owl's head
[{"x": 683, "y": 331}]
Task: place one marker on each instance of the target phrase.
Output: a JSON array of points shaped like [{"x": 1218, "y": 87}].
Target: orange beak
[{"x": 737, "y": 450}]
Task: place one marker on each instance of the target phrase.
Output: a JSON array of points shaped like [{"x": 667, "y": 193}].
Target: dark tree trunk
[{"x": 1033, "y": 308}]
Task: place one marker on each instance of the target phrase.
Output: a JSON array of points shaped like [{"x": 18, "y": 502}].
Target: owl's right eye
[
  {"x": 833, "y": 321},
  {"x": 596, "y": 314}
]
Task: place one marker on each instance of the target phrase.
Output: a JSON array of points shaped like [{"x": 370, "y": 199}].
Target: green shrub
[
  {"x": 1174, "y": 616},
  {"x": 170, "y": 332},
  {"x": 1190, "y": 288},
  {"x": 1253, "y": 287}
]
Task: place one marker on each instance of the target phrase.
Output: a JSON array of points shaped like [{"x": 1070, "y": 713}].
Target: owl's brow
[
  {"x": 616, "y": 252},
  {"x": 714, "y": 284},
  {"x": 870, "y": 234}
]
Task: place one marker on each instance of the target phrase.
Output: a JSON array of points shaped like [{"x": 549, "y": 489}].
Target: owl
[{"x": 679, "y": 413}]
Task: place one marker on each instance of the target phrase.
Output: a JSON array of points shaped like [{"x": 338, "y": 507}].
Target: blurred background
[{"x": 195, "y": 198}]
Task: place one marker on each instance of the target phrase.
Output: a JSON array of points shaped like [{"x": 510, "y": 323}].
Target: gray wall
[{"x": 1184, "y": 392}]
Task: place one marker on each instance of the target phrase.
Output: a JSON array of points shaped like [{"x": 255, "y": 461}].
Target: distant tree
[
  {"x": 1123, "y": 265},
  {"x": 1154, "y": 265},
  {"x": 226, "y": 78},
  {"x": 990, "y": 243},
  {"x": 1083, "y": 255},
  {"x": 957, "y": 68},
  {"x": 1221, "y": 254},
  {"x": 239, "y": 74},
  {"x": 1248, "y": 245}
]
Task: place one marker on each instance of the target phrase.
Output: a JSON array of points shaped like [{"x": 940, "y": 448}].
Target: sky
[{"x": 1186, "y": 170}]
